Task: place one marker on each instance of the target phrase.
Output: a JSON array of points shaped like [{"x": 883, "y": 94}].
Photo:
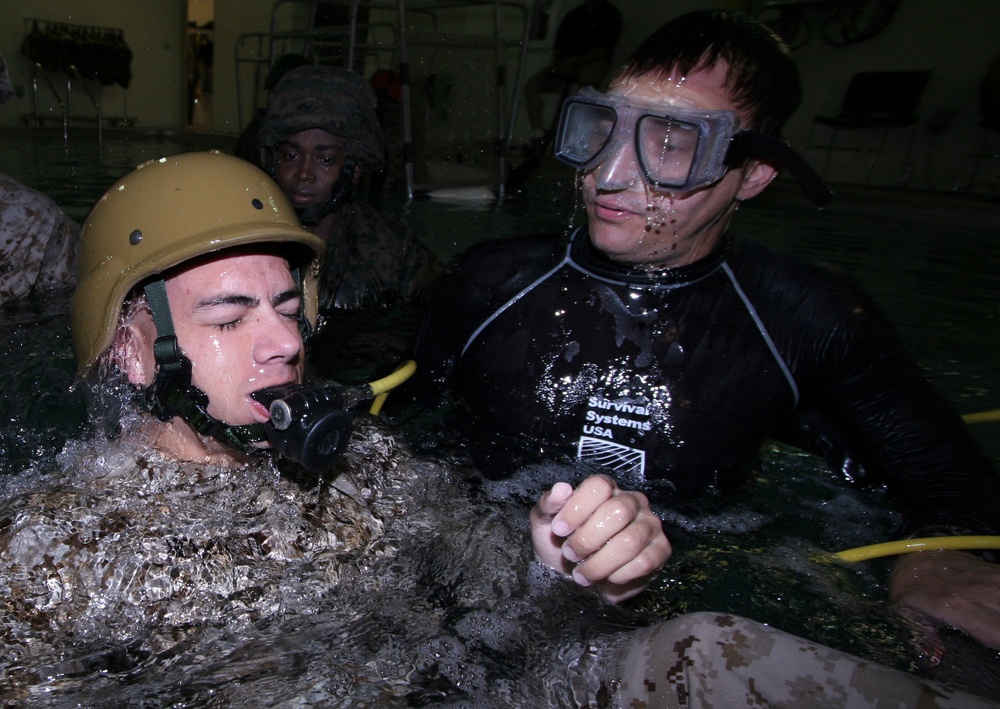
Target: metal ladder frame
[{"x": 264, "y": 48}]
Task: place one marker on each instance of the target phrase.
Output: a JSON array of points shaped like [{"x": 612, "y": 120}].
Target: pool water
[{"x": 930, "y": 260}]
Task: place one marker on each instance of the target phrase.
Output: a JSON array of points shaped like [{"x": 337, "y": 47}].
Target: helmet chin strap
[{"x": 172, "y": 393}]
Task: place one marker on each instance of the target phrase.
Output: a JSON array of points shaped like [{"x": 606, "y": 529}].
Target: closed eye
[
  {"x": 288, "y": 303},
  {"x": 226, "y": 312}
]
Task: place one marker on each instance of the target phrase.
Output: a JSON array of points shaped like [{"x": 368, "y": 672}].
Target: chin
[{"x": 616, "y": 244}]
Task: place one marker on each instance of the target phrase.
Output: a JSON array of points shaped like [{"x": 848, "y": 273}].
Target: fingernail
[
  {"x": 580, "y": 578},
  {"x": 570, "y": 555},
  {"x": 560, "y": 528}
]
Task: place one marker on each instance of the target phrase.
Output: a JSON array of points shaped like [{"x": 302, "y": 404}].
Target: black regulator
[
  {"x": 308, "y": 425},
  {"x": 312, "y": 425}
]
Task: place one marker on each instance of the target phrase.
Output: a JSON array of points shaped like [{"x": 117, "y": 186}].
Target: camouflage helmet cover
[{"x": 337, "y": 100}]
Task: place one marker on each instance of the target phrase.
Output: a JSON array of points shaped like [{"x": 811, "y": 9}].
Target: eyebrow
[
  {"x": 321, "y": 146},
  {"x": 247, "y": 301},
  {"x": 285, "y": 296}
]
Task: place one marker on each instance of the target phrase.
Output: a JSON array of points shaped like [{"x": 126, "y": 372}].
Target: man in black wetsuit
[{"x": 665, "y": 350}]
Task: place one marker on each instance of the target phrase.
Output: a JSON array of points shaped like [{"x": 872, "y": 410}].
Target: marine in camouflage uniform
[
  {"x": 704, "y": 660},
  {"x": 37, "y": 242},
  {"x": 373, "y": 260}
]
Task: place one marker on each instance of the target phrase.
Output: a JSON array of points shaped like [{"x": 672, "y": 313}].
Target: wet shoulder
[
  {"x": 772, "y": 276},
  {"x": 367, "y": 223},
  {"x": 805, "y": 301},
  {"x": 513, "y": 262}
]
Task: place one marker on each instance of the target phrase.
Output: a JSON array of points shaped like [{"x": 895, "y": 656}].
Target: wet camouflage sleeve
[
  {"x": 37, "y": 242},
  {"x": 374, "y": 261},
  {"x": 704, "y": 660}
]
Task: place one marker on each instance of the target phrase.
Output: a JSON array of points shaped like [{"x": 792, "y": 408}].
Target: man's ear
[
  {"x": 132, "y": 349},
  {"x": 357, "y": 174},
  {"x": 756, "y": 176}
]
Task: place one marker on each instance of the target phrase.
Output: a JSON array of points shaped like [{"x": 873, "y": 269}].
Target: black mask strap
[{"x": 751, "y": 143}]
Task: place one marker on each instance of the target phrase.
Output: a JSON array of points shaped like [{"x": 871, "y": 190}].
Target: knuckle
[
  {"x": 645, "y": 564},
  {"x": 642, "y": 566},
  {"x": 653, "y": 523},
  {"x": 602, "y": 484}
]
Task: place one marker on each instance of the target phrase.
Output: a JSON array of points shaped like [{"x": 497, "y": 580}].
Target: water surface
[{"x": 930, "y": 261}]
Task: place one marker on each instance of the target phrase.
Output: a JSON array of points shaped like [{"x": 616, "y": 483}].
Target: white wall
[
  {"x": 200, "y": 11},
  {"x": 232, "y": 19}
]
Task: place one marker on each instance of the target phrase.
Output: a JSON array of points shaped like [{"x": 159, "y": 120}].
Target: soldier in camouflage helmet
[{"x": 320, "y": 135}]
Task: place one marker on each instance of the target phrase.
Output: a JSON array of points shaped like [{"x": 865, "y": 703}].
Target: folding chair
[{"x": 880, "y": 101}]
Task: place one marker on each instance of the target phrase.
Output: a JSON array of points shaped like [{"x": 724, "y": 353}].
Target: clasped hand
[{"x": 600, "y": 535}]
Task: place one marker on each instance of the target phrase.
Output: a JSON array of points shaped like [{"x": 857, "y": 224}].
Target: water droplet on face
[{"x": 656, "y": 216}]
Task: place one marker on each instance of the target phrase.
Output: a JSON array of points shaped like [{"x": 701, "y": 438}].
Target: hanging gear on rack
[{"x": 96, "y": 53}]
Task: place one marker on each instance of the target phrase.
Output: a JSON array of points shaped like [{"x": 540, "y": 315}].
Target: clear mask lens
[
  {"x": 667, "y": 150},
  {"x": 677, "y": 149},
  {"x": 585, "y": 131}
]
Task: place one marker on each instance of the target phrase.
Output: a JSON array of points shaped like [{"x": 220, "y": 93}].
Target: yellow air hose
[
  {"x": 380, "y": 388},
  {"x": 982, "y": 416},
  {"x": 906, "y": 546}
]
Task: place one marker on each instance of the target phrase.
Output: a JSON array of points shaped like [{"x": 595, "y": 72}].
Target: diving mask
[{"x": 677, "y": 149}]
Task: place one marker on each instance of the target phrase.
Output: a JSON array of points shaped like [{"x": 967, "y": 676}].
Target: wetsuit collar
[{"x": 582, "y": 255}]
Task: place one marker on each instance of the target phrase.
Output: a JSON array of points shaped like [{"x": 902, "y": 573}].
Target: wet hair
[
  {"x": 762, "y": 80},
  {"x": 113, "y": 402}
]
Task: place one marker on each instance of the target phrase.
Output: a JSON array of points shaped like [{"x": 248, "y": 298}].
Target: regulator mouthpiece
[{"x": 309, "y": 425}]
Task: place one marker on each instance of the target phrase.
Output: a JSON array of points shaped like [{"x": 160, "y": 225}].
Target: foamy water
[
  {"x": 429, "y": 608},
  {"x": 129, "y": 578}
]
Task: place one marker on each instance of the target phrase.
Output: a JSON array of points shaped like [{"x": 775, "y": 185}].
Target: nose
[
  {"x": 305, "y": 170},
  {"x": 620, "y": 168},
  {"x": 276, "y": 339}
]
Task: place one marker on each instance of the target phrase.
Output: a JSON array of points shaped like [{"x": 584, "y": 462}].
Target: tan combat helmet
[{"x": 166, "y": 212}]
